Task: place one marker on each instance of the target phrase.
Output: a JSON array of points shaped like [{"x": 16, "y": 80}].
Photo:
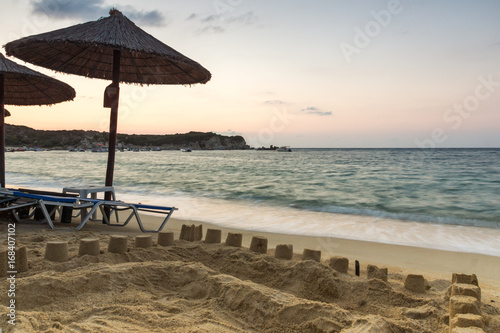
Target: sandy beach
[
  {"x": 200, "y": 287},
  {"x": 330, "y": 168}
]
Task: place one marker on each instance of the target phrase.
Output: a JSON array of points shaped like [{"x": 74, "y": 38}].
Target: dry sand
[{"x": 198, "y": 287}]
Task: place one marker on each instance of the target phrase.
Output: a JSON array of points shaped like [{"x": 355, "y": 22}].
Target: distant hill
[{"x": 20, "y": 136}]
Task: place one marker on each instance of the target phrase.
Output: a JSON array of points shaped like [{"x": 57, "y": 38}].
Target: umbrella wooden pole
[
  {"x": 113, "y": 120},
  {"x": 2, "y": 131}
]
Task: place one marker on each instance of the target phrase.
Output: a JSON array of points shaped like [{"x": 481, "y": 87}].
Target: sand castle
[
  {"x": 117, "y": 244},
  {"x": 415, "y": 283},
  {"x": 340, "y": 264},
  {"x": 309, "y": 254},
  {"x": 144, "y": 241},
  {"x": 307, "y": 272},
  {"x": 259, "y": 244},
  {"x": 191, "y": 233},
  {"x": 20, "y": 262},
  {"x": 234, "y": 239},
  {"x": 89, "y": 246},
  {"x": 165, "y": 238},
  {"x": 465, "y": 304},
  {"x": 284, "y": 251},
  {"x": 213, "y": 236},
  {"x": 57, "y": 251}
]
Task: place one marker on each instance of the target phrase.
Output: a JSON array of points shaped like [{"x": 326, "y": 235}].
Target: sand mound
[
  {"x": 171, "y": 293},
  {"x": 196, "y": 287}
]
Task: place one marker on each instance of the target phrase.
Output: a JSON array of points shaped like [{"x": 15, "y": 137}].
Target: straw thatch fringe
[
  {"x": 87, "y": 49},
  {"x": 23, "y": 86}
]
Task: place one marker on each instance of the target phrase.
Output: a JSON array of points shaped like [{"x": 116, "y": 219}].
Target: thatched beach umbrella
[
  {"x": 20, "y": 85},
  {"x": 111, "y": 48}
]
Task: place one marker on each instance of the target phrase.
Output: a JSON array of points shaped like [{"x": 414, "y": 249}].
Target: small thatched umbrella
[
  {"x": 20, "y": 85},
  {"x": 111, "y": 48}
]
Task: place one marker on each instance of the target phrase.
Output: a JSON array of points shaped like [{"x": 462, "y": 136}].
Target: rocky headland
[{"x": 23, "y": 136}]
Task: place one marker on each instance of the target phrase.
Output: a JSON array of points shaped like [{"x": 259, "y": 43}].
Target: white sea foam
[{"x": 264, "y": 218}]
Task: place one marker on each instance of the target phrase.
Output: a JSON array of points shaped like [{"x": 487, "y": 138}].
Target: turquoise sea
[{"x": 438, "y": 198}]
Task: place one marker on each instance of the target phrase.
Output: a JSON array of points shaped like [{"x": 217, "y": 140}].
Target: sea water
[{"x": 436, "y": 198}]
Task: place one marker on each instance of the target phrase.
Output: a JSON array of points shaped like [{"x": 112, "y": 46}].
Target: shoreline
[
  {"x": 403, "y": 259},
  {"x": 407, "y": 259}
]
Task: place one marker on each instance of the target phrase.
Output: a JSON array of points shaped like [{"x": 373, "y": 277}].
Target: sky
[{"x": 320, "y": 73}]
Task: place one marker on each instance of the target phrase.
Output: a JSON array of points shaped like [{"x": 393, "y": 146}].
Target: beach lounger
[
  {"x": 18, "y": 209},
  {"x": 48, "y": 204},
  {"x": 43, "y": 201},
  {"x": 117, "y": 206},
  {"x": 65, "y": 212}
]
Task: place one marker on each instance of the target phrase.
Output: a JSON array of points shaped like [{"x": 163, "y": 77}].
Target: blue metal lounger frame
[
  {"x": 116, "y": 206},
  {"x": 11, "y": 203},
  {"x": 42, "y": 201},
  {"x": 15, "y": 200}
]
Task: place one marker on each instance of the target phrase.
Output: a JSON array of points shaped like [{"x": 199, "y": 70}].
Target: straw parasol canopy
[
  {"x": 111, "y": 48},
  {"x": 20, "y": 85},
  {"x": 23, "y": 86},
  {"x": 87, "y": 49}
]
